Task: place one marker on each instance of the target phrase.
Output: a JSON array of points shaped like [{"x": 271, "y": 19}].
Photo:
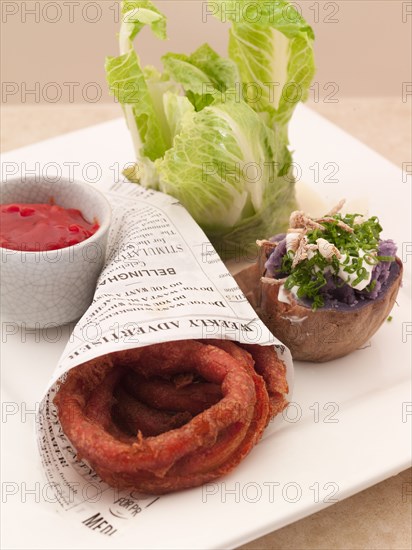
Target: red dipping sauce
[{"x": 35, "y": 227}]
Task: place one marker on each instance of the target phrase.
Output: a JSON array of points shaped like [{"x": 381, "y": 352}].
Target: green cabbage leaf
[{"x": 213, "y": 131}]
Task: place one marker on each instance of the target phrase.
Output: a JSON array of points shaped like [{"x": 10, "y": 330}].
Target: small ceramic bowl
[{"x": 45, "y": 288}]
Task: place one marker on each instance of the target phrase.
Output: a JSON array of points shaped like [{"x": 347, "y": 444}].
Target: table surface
[{"x": 379, "y": 517}]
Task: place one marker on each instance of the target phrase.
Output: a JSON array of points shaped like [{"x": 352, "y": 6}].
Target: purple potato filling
[{"x": 333, "y": 292}]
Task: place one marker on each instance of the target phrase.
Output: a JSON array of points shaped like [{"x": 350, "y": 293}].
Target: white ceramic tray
[{"x": 348, "y": 428}]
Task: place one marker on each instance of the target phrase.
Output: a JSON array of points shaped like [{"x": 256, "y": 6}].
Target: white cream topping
[
  {"x": 282, "y": 295},
  {"x": 350, "y": 277}
]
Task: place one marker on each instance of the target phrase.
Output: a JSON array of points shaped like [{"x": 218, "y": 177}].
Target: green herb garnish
[
  {"x": 371, "y": 286},
  {"x": 357, "y": 243}
]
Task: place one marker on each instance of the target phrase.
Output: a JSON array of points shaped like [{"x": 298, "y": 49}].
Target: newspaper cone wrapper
[{"x": 162, "y": 281}]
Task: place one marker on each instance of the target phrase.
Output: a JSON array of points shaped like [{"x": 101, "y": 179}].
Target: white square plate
[{"x": 349, "y": 426}]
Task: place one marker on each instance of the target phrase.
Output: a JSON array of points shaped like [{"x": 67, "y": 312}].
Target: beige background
[{"x": 57, "y": 48}]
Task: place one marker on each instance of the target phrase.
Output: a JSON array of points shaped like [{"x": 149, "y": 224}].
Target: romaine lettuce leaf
[
  {"x": 204, "y": 75},
  {"x": 224, "y": 168},
  {"x": 212, "y": 131},
  {"x": 273, "y": 47},
  {"x": 140, "y": 92},
  {"x": 141, "y": 98},
  {"x": 175, "y": 108},
  {"x": 135, "y": 15}
]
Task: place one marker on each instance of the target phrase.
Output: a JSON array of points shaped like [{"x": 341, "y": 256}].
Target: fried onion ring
[
  {"x": 134, "y": 416},
  {"x": 164, "y": 395},
  {"x": 171, "y": 416}
]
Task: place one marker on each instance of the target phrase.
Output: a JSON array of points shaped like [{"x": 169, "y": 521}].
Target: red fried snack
[
  {"x": 160, "y": 447},
  {"x": 135, "y": 416},
  {"x": 100, "y": 402},
  {"x": 164, "y": 395},
  {"x": 267, "y": 364},
  {"x": 272, "y": 370}
]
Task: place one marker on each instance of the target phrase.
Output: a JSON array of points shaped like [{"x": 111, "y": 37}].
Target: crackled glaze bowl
[{"x": 53, "y": 287}]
